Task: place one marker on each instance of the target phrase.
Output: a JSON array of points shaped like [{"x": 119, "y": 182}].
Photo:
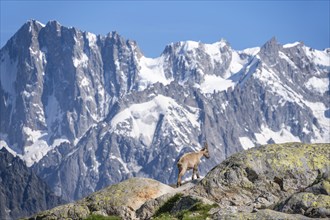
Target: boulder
[
  {"x": 308, "y": 204},
  {"x": 121, "y": 199},
  {"x": 261, "y": 214}
]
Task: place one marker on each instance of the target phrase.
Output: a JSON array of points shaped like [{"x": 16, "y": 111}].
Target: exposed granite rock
[
  {"x": 121, "y": 200},
  {"x": 307, "y": 204},
  {"x": 262, "y": 176},
  {"x": 251, "y": 183},
  {"x": 149, "y": 208},
  {"x": 262, "y": 214},
  {"x": 321, "y": 185}
]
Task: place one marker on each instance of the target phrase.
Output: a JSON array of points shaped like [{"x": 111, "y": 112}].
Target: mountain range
[{"x": 85, "y": 111}]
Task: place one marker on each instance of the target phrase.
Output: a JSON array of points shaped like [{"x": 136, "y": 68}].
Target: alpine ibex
[{"x": 191, "y": 161}]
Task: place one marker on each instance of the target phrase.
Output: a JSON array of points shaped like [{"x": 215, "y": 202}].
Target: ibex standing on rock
[{"x": 191, "y": 161}]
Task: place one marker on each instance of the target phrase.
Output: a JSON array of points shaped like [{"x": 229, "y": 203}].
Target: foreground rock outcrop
[
  {"x": 278, "y": 181},
  {"x": 261, "y": 177},
  {"x": 119, "y": 200}
]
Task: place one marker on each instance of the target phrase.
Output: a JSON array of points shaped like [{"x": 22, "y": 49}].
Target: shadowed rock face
[
  {"x": 308, "y": 204},
  {"x": 22, "y": 193}
]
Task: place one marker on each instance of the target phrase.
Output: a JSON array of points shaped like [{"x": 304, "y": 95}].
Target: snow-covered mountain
[{"x": 85, "y": 111}]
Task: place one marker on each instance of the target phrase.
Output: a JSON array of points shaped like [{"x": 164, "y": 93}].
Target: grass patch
[
  {"x": 101, "y": 217},
  {"x": 197, "y": 211},
  {"x": 165, "y": 216},
  {"x": 168, "y": 205}
]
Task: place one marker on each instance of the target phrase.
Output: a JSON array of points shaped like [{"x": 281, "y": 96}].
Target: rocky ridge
[{"x": 274, "y": 181}]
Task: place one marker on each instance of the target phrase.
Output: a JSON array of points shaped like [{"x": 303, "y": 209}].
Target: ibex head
[{"x": 205, "y": 151}]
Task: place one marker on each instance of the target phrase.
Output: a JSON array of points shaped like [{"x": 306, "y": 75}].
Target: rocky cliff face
[
  {"x": 22, "y": 192},
  {"x": 277, "y": 181},
  {"x": 86, "y": 111}
]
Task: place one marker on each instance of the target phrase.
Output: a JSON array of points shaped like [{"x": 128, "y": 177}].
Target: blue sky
[{"x": 154, "y": 24}]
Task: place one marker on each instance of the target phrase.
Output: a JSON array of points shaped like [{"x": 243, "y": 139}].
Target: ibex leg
[
  {"x": 195, "y": 171},
  {"x": 181, "y": 173}
]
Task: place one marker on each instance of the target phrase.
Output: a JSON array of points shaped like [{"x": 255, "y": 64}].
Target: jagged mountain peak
[
  {"x": 33, "y": 22},
  {"x": 194, "y": 60},
  {"x": 57, "y": 26},
  {"x": 53, "y": 23},
  {"x": 183, "y": 47},
  {"x": 32, "y": 28},
  {"x": 25, "y": 33},
  {"x": 271, "y": 47},
  {"x": 116, "y": 38},
  {"x": 114, "y": 34}
]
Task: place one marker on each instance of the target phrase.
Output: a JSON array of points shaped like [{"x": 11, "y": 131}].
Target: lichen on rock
[
  {"x": 262, "y": 176},
  {"x": 121, "y": 199},
  {"x": 308, "y": 204}
]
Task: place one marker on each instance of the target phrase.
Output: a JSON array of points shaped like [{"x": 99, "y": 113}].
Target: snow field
[{"x": 139, "y": 121}]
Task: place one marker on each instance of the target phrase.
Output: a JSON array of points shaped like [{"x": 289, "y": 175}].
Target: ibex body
[{"x": 191, "y": 161}]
